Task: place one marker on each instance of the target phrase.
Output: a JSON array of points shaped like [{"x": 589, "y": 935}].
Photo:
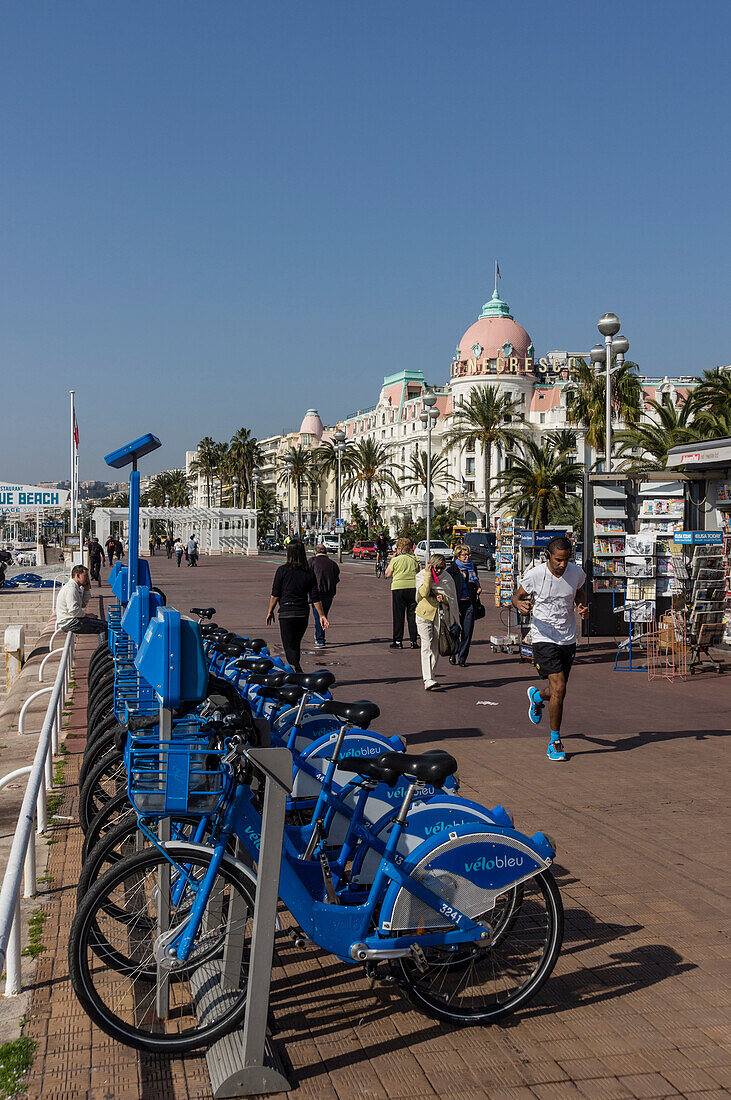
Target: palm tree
[
  {"x": 302, "y": 468},
  {"x": 585, "y": 399},
  {"x": 563, "y": 440},
  {"x": 205, "y": 463},
  {"x": 713, "y": 395},
  {"x": 486, "y": 420},
  {"x": 267, "y": 508},
  {"x": 326, "y": 457},
  {"x": 245, "y": 454},
  {"x": 178, "y": 489},
  {"x": 647, "y": 444},
  {"x": 538, "y": 482},
  {"x": 371, "y": 470},
  {"x": 415, "y": 472}
]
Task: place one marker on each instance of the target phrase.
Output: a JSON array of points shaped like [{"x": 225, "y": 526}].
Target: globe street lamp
[
  {"x": 428, "y": 417},
  {"x": 339, "y": 437},
  {"x": 609, "y": 326}
]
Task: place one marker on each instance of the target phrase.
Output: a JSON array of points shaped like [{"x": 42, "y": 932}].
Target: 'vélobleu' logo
[{"x": 483, "y": 864}]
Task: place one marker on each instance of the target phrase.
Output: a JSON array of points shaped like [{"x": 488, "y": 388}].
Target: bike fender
[{"x": 492, "y": 858}]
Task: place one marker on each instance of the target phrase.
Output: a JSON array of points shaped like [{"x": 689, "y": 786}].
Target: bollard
[{"x": 14, "y": 653}]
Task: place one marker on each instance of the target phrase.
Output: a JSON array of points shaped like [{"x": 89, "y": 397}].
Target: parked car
[
  {"x": 482, "y": 546},
  {"x": 364, "y": 550},
  {"x": 438, "y": 546}
]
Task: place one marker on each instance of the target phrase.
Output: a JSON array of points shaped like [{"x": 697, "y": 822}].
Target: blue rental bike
[{"x": 469, "y": 922}]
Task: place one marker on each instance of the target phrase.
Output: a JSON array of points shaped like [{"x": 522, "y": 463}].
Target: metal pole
[
  {"x": 608, "y": 410},
  {"x": 340, "y": 509},
  {"x": 428, "y": 488},
  {"x": 73, "y": 467}
]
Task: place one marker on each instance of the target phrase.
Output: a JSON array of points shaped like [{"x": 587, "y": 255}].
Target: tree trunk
[{"x": 299, "y": 507}]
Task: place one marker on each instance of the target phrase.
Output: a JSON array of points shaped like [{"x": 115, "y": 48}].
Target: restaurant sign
[{"x": 22, "y": 498}]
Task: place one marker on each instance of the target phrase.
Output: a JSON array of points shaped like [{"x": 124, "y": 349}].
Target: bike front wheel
[
  {"x": 476, "y": 984},
  {"x": 162, "y": 1006}
]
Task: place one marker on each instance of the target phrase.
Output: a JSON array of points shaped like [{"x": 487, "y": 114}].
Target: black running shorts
[{"x": 550, "y": 658}]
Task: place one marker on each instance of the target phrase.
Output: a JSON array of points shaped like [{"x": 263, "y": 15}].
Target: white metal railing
[
  {"x": 22, "y": 852},
  {"x": 60, "y": 579}
]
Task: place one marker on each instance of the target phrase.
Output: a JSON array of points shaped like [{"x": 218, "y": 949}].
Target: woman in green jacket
[{"x": 402, "y": 570}]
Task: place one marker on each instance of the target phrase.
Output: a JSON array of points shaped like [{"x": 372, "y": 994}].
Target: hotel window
[
  {"x": 469, "y": 467},
  {"x": 470, "y": 448},
  {"x": 542, "y": 419},
  {"x": 469, "y": 488}
]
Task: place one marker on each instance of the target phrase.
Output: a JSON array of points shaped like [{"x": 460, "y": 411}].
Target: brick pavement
[{"x": 638, "y": 1003}]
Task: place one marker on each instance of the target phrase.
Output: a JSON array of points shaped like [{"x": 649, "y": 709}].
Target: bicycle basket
[{"x": 179, "y": 776}]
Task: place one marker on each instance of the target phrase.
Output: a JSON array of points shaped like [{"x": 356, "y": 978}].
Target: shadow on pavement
[{"x": 644, "y": 737}]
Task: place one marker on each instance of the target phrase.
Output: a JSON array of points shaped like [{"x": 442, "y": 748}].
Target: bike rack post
[{"x": 245, "y": 1062}]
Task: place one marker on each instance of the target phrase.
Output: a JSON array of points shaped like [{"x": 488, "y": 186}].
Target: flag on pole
[
  {"x": 497, "y": 270},
  {"x": 76, "y": 432}
]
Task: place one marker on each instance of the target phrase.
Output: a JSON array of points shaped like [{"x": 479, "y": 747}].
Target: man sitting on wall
[{"x": 72, "y": 599}]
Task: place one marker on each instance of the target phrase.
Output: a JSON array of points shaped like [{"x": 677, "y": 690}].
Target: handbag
[
  {"x": 479, "y": 610},
  {"x": 446, "y": 638}
]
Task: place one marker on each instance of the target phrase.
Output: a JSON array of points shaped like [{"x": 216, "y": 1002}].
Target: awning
[{"x": 705, "y": 455}]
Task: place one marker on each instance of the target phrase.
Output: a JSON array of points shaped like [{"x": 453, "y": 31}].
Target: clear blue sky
[{"x": 219, "y": 214}]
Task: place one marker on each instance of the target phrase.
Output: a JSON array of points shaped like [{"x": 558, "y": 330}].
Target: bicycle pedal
[
  {"x": 330, "y": 894},
  {"x": 419, "y": 958}
]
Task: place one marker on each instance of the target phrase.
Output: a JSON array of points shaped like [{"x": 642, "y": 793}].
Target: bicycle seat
[
  {"x": 288, "y": 694},
  {"x": 203, "y": 612},
  {"x": 208, "y": 629},
  {"x": 312, "y": 681},
  {"x": 360, "y": 713},
  {"x": 254, "y": 664},
  {"x": 229, "y": 649},
  {"x": 236, "y": 639},
  {"x": 373, "y": 767},
  {"x": 267, "y": 679},
  {"x": 427, "y": 767},
  {"x": 257, "y": 644}
]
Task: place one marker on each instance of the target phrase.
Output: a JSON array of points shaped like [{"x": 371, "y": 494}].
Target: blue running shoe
[
  {"x": 535, "y": 710},
  {"x": 555, "y": 751}
]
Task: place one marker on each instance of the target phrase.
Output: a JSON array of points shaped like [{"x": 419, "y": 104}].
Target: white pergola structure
[{"x": 218, "y": 530}]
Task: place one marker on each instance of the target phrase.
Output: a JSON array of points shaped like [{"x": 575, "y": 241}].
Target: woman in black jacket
[
  {"x": 294, "y": 588},
  {"x": 467, "y": 583}
]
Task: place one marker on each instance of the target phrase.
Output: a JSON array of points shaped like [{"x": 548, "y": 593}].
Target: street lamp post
[
  {"x": 609, "y": 326},
  {"x": 255, "y": 483},
  {"x": 429, "y": 417},
  {"x": 288, "y": 467},
  {"x": 339, "y": 438}
]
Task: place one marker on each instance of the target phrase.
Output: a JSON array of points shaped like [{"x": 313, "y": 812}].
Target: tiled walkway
[{"x": 638, "y": 1003}]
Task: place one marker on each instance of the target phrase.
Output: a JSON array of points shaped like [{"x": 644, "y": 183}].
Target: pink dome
[
  {"x": 312, "y": 425},
  {"x": 492, "y": 334}
]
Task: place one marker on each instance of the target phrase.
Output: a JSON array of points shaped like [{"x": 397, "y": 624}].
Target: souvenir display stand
[{"x": 507, "y": 564}]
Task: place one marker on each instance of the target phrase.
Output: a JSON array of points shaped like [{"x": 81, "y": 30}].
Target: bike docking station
[
  {"x": 170, "y": 660},
  {"x": 244, "y": 1062}
]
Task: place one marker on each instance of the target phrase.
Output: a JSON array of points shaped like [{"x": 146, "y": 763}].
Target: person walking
[
  {"x": 110, "y": 545},
  {"x": 96, "y": 557},
  {"x": 178, "y": 551},
  {"x": 294, "y": 588},
  {"x": 327, "y": 574},
  {"x": 402, "y": 569},
  {"x": 431, "y": 604},
  {"x": 467, "y": 584},
  {"x": 72, "y": 599},
  {"x": 152, "y": 546},
  {"x": 192, "y": 549},
  {"x": 169, "y": 546},
  {"x": 552, "y": 593},
  {"x": 118, "y": 549}
]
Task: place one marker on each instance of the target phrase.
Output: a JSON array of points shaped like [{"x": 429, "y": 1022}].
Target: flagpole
[{"x": 72, "y": 523}]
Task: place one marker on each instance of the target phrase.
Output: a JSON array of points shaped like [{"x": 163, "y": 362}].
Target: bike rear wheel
[
  {"x": 476, "y": 984},
  {"x": 206, "y": 994}
]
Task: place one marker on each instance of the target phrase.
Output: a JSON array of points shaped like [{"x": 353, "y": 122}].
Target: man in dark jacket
[
  {"x": 328, "y": 575},
  {"x": 96, "y": 557}
]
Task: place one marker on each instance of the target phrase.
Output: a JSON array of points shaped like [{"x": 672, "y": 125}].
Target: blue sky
[{"x": 219, "y": 214}]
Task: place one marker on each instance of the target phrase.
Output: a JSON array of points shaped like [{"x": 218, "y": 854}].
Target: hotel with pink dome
[{"x": 495, "y": 350}]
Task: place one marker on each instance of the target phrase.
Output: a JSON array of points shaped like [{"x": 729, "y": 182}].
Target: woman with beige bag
[{"x": 434, "y": 615}]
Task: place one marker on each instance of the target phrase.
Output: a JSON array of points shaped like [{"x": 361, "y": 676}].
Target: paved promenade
[{"x": 638, "y": 1002}]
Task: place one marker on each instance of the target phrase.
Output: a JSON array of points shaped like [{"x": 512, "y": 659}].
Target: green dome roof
[{"x": 496, "y": 307}]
